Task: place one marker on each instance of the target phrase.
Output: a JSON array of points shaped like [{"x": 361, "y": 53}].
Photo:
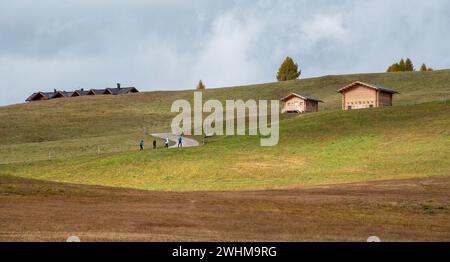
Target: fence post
[{"x": 49, "y": 155}]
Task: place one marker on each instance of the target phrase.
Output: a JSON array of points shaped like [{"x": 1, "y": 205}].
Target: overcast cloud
[{"x": 170, "y": 44}]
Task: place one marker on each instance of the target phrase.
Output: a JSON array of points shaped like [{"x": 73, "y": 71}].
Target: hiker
[
  {"x": 180, "y": 141},
  {"x": 154, "y": 144},
  {"x": 141, "y": 145},
  {"x": 166, "y": 143}
]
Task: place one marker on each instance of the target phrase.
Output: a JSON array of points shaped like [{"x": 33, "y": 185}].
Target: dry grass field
[{"x": 398, "y": 210}]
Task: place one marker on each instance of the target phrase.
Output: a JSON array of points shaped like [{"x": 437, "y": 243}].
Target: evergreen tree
[
  {"x": 423, "y": 68},
  {"x": 402, "y": 65},
  {"x": 288, "y": 70},
  {"x": 409, "y": 65},
  {"x": 200, "y": 85}
]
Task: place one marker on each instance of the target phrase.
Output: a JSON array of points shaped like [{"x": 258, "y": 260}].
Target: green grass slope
[
  {"x": 80, "y": 126},
  {"x": 327, "y": 147}
]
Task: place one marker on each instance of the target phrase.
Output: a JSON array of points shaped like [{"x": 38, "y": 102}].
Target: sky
[{"x": 172, "y": 44}]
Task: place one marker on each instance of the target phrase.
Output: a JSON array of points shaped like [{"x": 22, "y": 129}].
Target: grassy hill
[
  {"x": 404, "y": 141},
  {"x": 80, "y": 126},
  {"x": 329, "y": 147},
  {"x": 408, "y": 140}
]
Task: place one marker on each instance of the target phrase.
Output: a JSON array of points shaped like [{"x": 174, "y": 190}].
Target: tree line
[
  {"x": 406, "y": 66},
  {"x": 289, "y": 70}
]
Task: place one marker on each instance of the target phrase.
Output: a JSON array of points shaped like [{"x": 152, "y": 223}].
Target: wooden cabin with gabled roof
[
  {"x": 120, "y": 90},
  {"x": 298, "y": 103},
  {"x": 359, "y": 95}
]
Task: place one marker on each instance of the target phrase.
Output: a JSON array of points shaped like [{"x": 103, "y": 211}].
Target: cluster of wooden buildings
[
  {"x": 38, "y": 96},
  {"x": 356, "y": 95}
]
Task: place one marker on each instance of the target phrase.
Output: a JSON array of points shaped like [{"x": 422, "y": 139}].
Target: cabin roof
[
  {"x": 63, "y": 93},
  {"x": 375, "y": 87},
  {"x": 47, "y": 95},
  {"x": 97, "y": 91},
  {"x": 304, "y": 97},
  {"x": 80, "y": 92},
  {"x": 31, "y": 97},
  {"x": 122, "y": 90}
]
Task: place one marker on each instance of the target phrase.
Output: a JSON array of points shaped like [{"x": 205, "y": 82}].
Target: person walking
[
  {"x": 166, "y": 142},
  {"x": 141, "y": 145},
  {"x": 180, "y": 141}
]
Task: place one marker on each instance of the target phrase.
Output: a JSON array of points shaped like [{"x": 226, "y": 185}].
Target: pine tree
[
  {"x": 200, "y": 85},
  {"x": 409, "y": 66},
  {"x": 288, "y": 70},
  {"x": 402, "y": 65},
  {"x": 423, "y": 68}
]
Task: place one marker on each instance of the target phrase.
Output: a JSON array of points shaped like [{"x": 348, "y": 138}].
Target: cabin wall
[
  {"x": 359, "y": 97},
  {"x": 311, "y": 106},
  {"x": 293, "y": 104},
  {"x": 384, "y": 99},
  {"x": 297, "y": 104}
]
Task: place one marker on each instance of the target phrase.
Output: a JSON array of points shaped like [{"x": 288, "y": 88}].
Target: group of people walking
[{"x": 166, "y": 143}]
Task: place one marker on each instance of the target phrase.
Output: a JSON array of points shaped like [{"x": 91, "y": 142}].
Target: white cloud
[
  {"x": 172, "y": 44},
  {"x": 324, "y": 28},
  {"x": 225, "y": 58}
]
